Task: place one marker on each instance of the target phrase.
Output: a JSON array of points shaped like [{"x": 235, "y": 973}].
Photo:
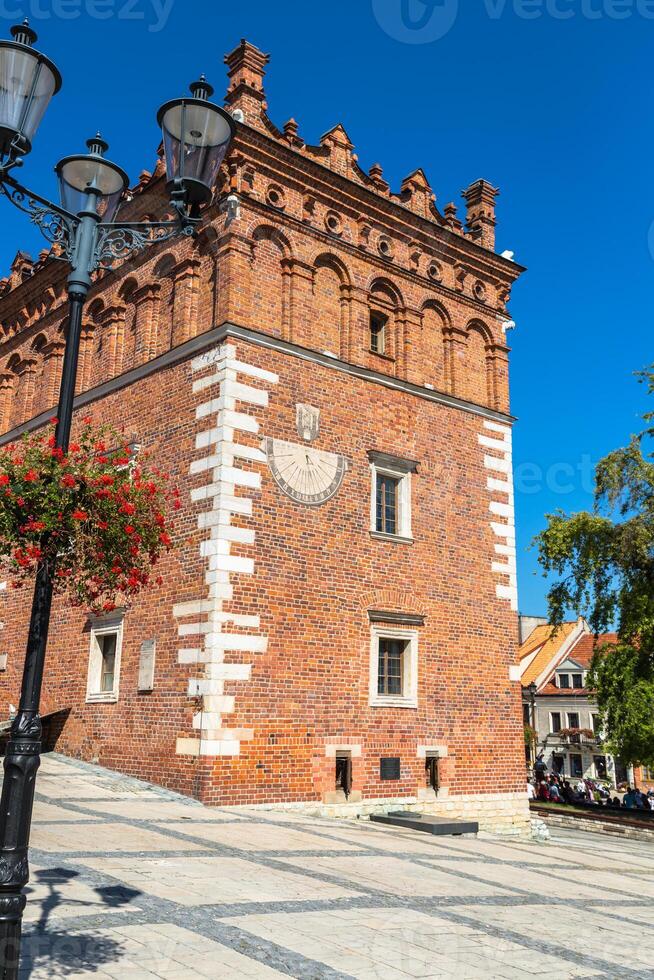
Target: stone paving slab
[{"x": 133, "y": 882}]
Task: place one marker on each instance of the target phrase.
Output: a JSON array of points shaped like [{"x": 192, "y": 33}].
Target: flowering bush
[{"x": 98, "y": 514}]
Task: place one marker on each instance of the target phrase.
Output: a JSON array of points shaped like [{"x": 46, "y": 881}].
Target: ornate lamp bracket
[
  {"x": 114, "y": 242},
  {"x": 56, "y": 224}
]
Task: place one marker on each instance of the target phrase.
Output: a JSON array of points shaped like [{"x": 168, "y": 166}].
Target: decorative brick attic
[{"x": 324, "y": 371}]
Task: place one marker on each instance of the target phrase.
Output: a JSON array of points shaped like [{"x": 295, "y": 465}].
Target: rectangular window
[
  {"x": 388, "y": 491},
  {"x": 390, "y": 499},
  {"x": 555, "y": 721},
  {"x": 526, "y": 714},
  {"x": 378, "y": 324},
  {"x": 393, "y": 667},
  {"x": 391, "y": 660},
  {"x": 599, "y": 761},
  {"x": 577, "y": 681},
  {"x": 595, "y": 722},
  {"x": 573, "y": 719},
  {"x": 107, "y": 644},
  {"x": 576, "y": 767},
  {"x": 558, "y": 764},
  {"x": 104, "y": 660},
  {"x": 564, "y": 681}
]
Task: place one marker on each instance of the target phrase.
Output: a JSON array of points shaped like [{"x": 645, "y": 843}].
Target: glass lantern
[
  {"x": 89, "y": 174},
  {"x": 196, "y": 135},
  {"x": 28, "y": 80}
]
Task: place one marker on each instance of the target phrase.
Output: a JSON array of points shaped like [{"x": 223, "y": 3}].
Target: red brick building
[{"x": 324, "y": 372}]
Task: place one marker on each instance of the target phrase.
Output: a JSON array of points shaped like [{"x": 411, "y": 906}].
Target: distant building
[{"x": 558, "y": 705}]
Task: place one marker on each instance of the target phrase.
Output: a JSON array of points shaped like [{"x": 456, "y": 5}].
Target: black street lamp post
[{"x": 196, "y": 135}]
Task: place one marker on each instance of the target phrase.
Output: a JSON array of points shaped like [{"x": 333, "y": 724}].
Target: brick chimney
[
  {"x": 246, "y": 68},
  {"x": 480, "y": 199}
]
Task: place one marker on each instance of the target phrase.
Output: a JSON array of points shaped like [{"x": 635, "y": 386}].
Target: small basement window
[
  {"x": 431, "y": 772},
  {"x": 344, "y": 773},
  {"x": 378, "y": 325}
]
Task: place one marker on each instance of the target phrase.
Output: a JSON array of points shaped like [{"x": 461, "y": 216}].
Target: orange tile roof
[
  {"x": 542, "y": 637},
  {"x": 582, "y": 654}
]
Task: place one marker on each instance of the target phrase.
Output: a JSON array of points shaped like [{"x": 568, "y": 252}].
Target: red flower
[
  {"x": 107, "y": 480},
  {"x": 4, "y": 479},
  {"x": 159, "y": 520},
  {"x": 128, "y": 509},
  {"x": 121, "y": 460},
  {"x": 165, "y": 538},
  {"x": 68, "y": 481},
  {"x": 103, "y": 494},
  {"x": 54, "y": 420},
  {"x": 109, "y": 606},
  {"x": 79, "y": 515},
  {"x": 87, "y": 419},
  {"x": 52, "y": 442},
  {"x": 31, "y": 476},
  {"x": 20, "y": 501},
  {"x": 74, "y": 447},
  {"x": 103, "y": 525},
  {"x": 129, "y": 529},
  {"x": 100, "y": 447},
  {"x": 177, "y": 504}
]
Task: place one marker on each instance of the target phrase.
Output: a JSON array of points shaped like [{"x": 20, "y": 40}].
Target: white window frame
[
  {"x": 409, "y": 696},
  {"x": 103, "y": 627},
  {"x": 561, "y": 725},
  {"x": 404, "y": 532}
]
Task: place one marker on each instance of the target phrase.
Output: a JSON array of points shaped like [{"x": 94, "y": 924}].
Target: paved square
[{"x": 129, "y": 881}]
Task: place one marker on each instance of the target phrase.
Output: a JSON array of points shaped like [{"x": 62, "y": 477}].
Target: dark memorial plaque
[{"x": 389, "y": 768}]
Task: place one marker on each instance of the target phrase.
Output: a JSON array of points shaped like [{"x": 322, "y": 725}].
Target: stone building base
[{"x": 496, "y": 813}]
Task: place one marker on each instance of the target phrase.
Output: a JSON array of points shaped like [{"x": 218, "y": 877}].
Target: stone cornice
[{"x": 387, "y": 208}]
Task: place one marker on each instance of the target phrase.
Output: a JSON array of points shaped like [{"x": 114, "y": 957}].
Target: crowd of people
[{"x": 553, "y": 788}]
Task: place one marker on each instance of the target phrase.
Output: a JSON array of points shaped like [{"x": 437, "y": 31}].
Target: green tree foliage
[{"x": 603, "y": 562}]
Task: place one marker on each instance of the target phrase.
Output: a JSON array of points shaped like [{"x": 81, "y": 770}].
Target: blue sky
[{"x": 549, "y": 99}]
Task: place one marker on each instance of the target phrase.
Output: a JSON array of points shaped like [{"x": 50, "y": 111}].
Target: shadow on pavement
[{"x": 58, "y": 952}]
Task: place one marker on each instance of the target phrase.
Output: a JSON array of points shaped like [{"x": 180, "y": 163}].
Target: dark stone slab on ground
[{"x": 441, "y": 826}]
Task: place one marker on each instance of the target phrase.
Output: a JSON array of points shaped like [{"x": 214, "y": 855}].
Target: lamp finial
[
  {"x": 23, "y": 34},
  {"x": 97, "y": 146},
  {"x": 201, "y": 89}
]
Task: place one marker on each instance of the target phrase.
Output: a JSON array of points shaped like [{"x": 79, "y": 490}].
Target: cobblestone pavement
[{"x": 129, "y": 881}]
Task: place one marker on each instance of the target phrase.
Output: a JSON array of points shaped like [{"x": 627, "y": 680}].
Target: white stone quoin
[
  {"x": 498, "y": 460},
  {"x": 203, "y": 620}
]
